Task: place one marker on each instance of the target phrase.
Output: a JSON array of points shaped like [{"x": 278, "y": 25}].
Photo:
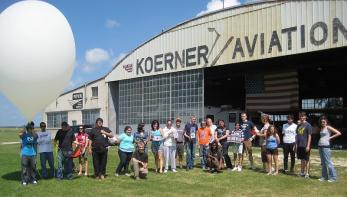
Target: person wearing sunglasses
[
  {"x": 82, "y": 142},
  {"x": 46, "y": 150}
]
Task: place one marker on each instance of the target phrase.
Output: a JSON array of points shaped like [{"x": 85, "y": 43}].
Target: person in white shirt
[
  {"x": 212, "y": 127},
  {"x": 46, "y": 150},
  {"x": 169, "y": 134},
  {"x": 289, "y": 135}
]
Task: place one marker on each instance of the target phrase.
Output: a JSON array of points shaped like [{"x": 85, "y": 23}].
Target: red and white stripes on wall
[{"x": 279, "y": 92}]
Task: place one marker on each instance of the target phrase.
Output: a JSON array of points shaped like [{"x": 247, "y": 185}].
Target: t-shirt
[
  {"x": 141, "y": 136},
  {"x": 203, "y": 136},
  {"x": 59, "y": 136},
  {"x": 169, "y": 136},
  {"x": 271, "y": 142},
  {"x": 235, "y": 136},
  {"x": 247, "y": 127},
  {"x": 190, "y": 130},
  {"x": 68, "y": 140},
  {"x": 29, "y": 142},
  {"x": 81, "y": 139},
  {"x": 324, "y": 140},
  {"x": 213, "y": 129},
  {"x": 99, "y": 141},
  {"x": 179, "y": 134},
  {"x": 289, "y": 133},
  {"x": 44, "y": 141},
  {"x": 220, "y": 133},
  {"x": 141, "y": 157},
  {"x": 126, "y": 143},
  {"x": 215, "y": 153},
  {"x": 263, "y": 130},
  {"x": 302, "y": 132}
]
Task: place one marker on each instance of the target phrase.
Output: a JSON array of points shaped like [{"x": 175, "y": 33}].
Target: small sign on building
[{"x": 77, "y": 100}]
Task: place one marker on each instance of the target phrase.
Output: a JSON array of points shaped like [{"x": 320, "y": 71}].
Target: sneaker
[
  {"x": 116, "y": 174},
  {"x": 137, "y": 178},
  {"x": 275, "y": 173},
  {"x": 203, "y": 168},
  {"x": 102, "y": 177},
  {"x": 34, "y": 182},
  {"x": 286, "y": 171},
  {"x": 321, "y": 179},
  {"x": 234, "y": 169},
  {"x": 174, "y": 170},
  {"x": 165, "y": 171},
  {"x": 307, "y": 176},
  {"x": 239, "y": 169},
  {"x": 24, "y": 183},
  {"x": 301, "y": 174},
  {"x": 127, "y": 174},
  {"x": 331, "y": 180}
]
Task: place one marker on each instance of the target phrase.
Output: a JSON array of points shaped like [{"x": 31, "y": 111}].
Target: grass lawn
[{"x": 183, "y": 183}]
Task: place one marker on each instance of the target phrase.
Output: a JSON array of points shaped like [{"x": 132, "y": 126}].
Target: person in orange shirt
[{"x": 203, "y": 137}]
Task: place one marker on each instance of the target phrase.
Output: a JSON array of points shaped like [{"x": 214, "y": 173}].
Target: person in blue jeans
[
  {"x": 125, "y": 151},
  {"x": 28, "y": 152},
  {"x": 190, "y": 141},
  {"x": 46, "y": 150},
  {"x": 324, "y": 150}
]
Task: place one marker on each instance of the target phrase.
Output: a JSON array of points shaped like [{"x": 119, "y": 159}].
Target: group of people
[{"x": 169, "y": 144}]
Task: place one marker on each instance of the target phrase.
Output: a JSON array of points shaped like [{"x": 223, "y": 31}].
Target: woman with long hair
[
  {"x": 125, "y": 151},
  {"x": 272, "y": 142},
  {"x": 157, "y": 146},
  {"x": 327, "y": 133},
  {"x": 265, "y": 120}
]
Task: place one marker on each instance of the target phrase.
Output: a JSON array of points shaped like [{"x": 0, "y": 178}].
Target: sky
[{"x": 107, "y": 30}]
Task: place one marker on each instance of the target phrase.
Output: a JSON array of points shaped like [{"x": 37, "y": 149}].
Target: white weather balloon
[{"x": 37, "y": 55}]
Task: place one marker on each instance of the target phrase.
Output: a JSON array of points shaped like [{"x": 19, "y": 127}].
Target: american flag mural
[{"x": 272, "y": 91}]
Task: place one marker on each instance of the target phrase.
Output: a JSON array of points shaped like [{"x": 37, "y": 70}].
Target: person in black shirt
[
  {"x": 98, "y": 148},
  {"x": 140, "y": 161},
  {"x": 214, "y": 157},
  {"x": 65, "y": 137},
  {"x": 221, "y": 135}
]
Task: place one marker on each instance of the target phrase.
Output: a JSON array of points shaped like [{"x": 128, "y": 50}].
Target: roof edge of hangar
[{"x": 190, "y": 20}]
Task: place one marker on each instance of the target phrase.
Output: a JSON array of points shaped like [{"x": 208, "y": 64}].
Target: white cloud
[
  {"x": 218, "y": 4},
  {"x": 96, "y": 55},
  {"x": 110, "y": 23}
]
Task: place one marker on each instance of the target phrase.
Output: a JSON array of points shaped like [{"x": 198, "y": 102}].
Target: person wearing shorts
[
  {"x": 303, "y": 143},
  {"x": 157, "y": 146},
  {"x": 272, "y": 142},
  {"x": 82, "y": 143},
  {"x": 235, "y": 138},
  {"x": 179, "y": 142}
]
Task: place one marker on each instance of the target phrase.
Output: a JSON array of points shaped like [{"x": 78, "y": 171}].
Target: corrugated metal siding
[{"x": 235, "y": 24}]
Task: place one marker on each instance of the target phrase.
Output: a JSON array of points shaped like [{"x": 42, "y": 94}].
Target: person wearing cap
[
  {"x": 179, "y": 142},
  {"x": 28, "y": 152},
  {"x": 82, "y": 143},
  {"x": 46, "y": 150}
]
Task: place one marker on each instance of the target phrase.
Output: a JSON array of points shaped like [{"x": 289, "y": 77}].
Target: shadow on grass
[{"x": 12, "y": 176}]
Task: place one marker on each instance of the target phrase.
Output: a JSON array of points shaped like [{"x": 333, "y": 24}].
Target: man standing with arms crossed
[{"x": 247, "y": 127}]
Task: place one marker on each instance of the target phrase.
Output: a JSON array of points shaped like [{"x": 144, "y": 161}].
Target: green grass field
[{"x": 183, "y": 183}]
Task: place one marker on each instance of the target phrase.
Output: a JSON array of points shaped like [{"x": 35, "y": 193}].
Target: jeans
[
  {"x": 225, "y": 147},
  {"x": 203, "y": 155},
  {"x": 28, "y": 168},
  {"x": 169, "y": 155},
  {"x": 44, "y": 157},
  {"x": 327, "y": 164},
  {"x": 288, "y": 148},
  {"x": 64, "y": 164},
  {"x": 125, "y": 158},
  {"x": 190, "y": 150},
  {"x": 99, "y": 163}
]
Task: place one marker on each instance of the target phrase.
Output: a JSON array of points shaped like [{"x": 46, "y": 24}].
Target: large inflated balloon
[{"x": 37, "y": 55}]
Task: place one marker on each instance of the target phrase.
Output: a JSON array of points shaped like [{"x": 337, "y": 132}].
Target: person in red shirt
[
  {"x": 82, "y": 143},
  {"x": 203, "y": 137}
]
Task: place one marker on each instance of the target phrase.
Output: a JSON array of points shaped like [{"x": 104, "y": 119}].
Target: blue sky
[{"x": 106, "y": 30}]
